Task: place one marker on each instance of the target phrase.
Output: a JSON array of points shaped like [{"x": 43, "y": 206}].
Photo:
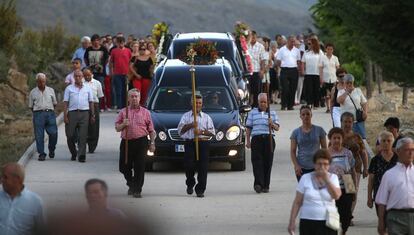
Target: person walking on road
[
  {"x": 289, "y": 60},
  {"x": 304, "y": 142},
  {"x": 205, "y": 130},
  {"x": 257, "y": 52},
  {"x": 80, "y": 52},
  {"x": 79, "y": 110},
  {"x": 42, "y": 102},
  {"x": 257, "y": 127},
  {"x": 93, "y": 128},
  {"x": 395, "y": 196},
  {"x": 21, "y": 210},
  {"x": 119, "y": 65},
  {"x": 315, "y": 193},
  {"x": 134, "y": 128}
]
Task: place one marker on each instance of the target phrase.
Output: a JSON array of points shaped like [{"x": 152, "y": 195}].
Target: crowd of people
[{"x": 328, "y": 165}]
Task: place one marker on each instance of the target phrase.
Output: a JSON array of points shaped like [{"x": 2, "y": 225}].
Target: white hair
[
  {"x": 261, "y": 95},
  {"x": 40, "y": 75},
  {"x": 134, "y": 90},
  {"x": 85, "y": 39},
  {"x": 403, "y": 141}
]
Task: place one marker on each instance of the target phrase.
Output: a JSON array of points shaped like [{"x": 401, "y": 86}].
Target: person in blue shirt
[
  {"x": 80, "y": 52},
  {"x": 21, "y": 211},
  {"x": 258, "y": 127}
]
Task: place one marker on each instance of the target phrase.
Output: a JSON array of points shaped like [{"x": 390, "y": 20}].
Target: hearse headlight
[
  {"x": 219, "y": 136},
  {"x": 233, "y": 132},
  {"x": 162, "y": 135}
]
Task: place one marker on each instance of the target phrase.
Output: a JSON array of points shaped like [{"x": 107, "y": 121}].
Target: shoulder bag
[
  {"x": 332, "y": 216},
  {"x": 358, "y": 112}
]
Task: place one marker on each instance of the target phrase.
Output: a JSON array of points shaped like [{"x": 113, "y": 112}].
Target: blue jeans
[
  {"x": 45, "y": 121},
  {"x": 359, "y": 127},
  {"x": 119, "y": 89}
]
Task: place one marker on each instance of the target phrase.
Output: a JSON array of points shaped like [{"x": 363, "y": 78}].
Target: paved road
[{"x": 230, "y": 206}]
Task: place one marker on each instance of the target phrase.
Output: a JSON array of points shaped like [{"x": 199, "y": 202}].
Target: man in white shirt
[
  {"x": 78, "y": 112},
  {"x": 93, "y": 129},
  {"x": 288, "y": 59},
  {"x": 257, "y": 52},
  {"x": 396, "y": 193}
]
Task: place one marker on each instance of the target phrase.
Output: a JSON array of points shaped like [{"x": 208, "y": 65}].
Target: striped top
[
  {"x": 258, "y": 121},
  {"x": 204, "y": 123}
]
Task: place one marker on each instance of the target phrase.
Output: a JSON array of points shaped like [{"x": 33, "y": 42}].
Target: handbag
[
  {"x": 348, "y": 183},
  {"x": 332, "y": 216},
  {"x": 358, "y": 112}
]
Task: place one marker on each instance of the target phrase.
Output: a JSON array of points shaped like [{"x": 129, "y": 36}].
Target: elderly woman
[
  {"x": 315, "y": 193},
  {"x": 354, "y": 142},
  {"x": 342, "y": 165},
  {"x": 304, "y": 142},
  {"x": 383, "y": 161},
  {"x": 353, "y": 100},
  {"x": 335, "y": 106}
]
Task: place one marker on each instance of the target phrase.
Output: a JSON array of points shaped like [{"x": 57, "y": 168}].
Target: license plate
[{"x": 179, "y": 148}]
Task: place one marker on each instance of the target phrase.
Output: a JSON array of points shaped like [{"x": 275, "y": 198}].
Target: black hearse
[
  {"x": 170, "y": 99},
  {"x": 227, "y": 48}
]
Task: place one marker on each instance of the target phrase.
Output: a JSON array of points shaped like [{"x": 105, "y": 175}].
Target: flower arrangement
[
  {"x": 159, "y": 30},
  {"x": 202, "y": 52},
  {"x": 241, "y": 29}
]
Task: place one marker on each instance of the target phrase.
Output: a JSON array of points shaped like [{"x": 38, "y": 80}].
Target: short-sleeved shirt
[
  {"x": 22, "y": 215},
  {"x": 140, "y": 123},
  {"x": 313, "y": 207},
  {"x": 96, "y": 88},
  {"x": 78, "y": 98},
  {"x": 39, "y": 100},
  {"x": 307, "y": 144},
  {"x": 257, "y": 54},
  {"x": 288, "y": 58},
  {"x": 342, "y": 163},
  {"x": 80, "y": 54},
  {"x": 204, "y": 123},
  {"x": 120, "y": 58},
  {"x": 378, "y": 166},
  {"x": 358, "y": 98},
  {"x": 258, "y": 121},
  {"x": 312, "y": 60},
  {"x": 329, "y": 66},
  {"x": 96, "y": 59}
]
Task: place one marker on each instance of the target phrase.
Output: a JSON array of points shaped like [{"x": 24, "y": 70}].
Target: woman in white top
[
  {"x": 312, "y": 82},
  {"x": 315, "y": 193},
  {"x": 352, "y": 99},
  {"x": 328, "y": 65}
]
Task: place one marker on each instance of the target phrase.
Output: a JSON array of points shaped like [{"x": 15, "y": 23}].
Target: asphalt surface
[{"x": 230, "y": 207}]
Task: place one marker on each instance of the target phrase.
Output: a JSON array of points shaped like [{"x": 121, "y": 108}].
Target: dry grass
[{"x": 15, "y": 137}]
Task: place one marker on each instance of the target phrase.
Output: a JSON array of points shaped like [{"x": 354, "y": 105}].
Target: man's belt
[
  {"x": 289, "y": 68},
  {"x": 43, "y": 110},
  {"x": 407, "y": 210},
  {"x": 79, "y": 110}
]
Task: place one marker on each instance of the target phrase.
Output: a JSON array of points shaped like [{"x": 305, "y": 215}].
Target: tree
[
  {"x": 10, "y": 25},
  {"x": 380, "y": 30}
]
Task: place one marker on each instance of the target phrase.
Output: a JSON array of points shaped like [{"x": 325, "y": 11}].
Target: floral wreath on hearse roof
[{"x": 202, "y": 52}]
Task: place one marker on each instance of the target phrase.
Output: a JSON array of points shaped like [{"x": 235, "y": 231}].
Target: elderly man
[
  {"x": 97, "y": 197},
  {"x": 205, "y": 130},
  {"x": 396, "y": 193},
  {"x": 78, "y": 112},
  {"x": 21, "y": 211},
  {"x": 93, "y": 129},
  {"x": 80, "y": 52},
  {"x": 42, "y": 101},
  {"x": 257, "y": 127},
  {"x": 288, "y": 59},
  {"x": 134, "y": 128}
]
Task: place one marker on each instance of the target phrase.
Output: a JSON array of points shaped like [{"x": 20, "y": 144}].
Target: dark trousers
[
  {"x": 119, "y": 89},
  {"x": 77, "y": 131},
  {"x": 289, "y": 81},
  {"x": 45, "y": 121},
  {"x": 134, "y": 169},
  {"x": 304, "y": 171},
  {"x": 93, "y": 131},
  {"x": 313, "y": 227},
  {"x": 344, "y": 204},
  {"x": 400, "y": 222},
  {"x": 311, "y": 89},
  {"x": 255, "y": 86},
  {"x": 262, "y": 159},
  {"x": 192, "y": 165}
]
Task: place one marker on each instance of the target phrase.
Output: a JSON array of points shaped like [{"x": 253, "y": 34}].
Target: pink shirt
[
  {"x": 120, "y": 58},
  {"x": 140, "y": 123},
  {"x": 397, "y": 188}
]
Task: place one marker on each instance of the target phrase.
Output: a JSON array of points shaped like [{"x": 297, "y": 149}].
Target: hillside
[{"x": 138, "y": 16}]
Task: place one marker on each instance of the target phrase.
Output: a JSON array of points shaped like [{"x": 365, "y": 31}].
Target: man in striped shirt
[
  {"x": 205, "y": 130},
  {"x": 258, "y": 127}
]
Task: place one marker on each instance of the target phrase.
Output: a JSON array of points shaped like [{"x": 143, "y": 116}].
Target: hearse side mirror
[{"x": 245, "y": 108}]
